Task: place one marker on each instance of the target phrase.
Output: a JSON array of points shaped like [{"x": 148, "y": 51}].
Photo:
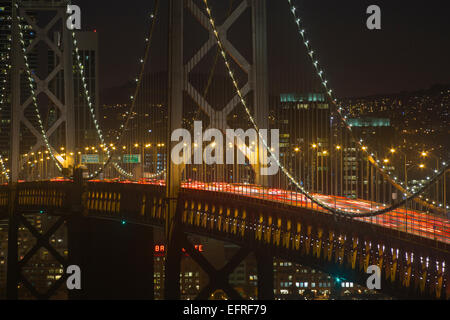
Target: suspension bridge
[{"x": 336, "y": 203}]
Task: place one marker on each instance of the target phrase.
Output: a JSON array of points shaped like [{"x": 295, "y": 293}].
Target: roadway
[
  {"x": 423, "y": 224},
  {"x": 412, "y": 221}
]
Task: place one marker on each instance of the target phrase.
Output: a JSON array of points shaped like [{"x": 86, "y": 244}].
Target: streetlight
[
  {"x": 425, "y": 154},
  {"x": 339, "y": 149},
  {"x": 316, "y": 180},
  {"x": 421, "y": 166}
]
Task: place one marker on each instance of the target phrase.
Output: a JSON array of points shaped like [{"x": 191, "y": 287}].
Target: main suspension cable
[{"x": 275, "y": 157}]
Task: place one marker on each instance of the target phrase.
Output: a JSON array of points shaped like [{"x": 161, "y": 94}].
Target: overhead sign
[
  {"x": 131, "y": 158},
  {"x": 90, "y": 159}
]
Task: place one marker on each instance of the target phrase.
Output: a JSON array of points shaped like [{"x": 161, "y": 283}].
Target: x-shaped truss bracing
[
  {"x": 218, "y": 118},
  {"x": 42, "y": 85}
]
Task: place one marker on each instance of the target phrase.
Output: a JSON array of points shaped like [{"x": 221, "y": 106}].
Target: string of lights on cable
[
  {"x": 305, "y": 192},
  {"x": 89, "y": 102},
  {"x": 31, "y": 83},
  {"x": 340, "y": 111},
  {"x": 122, "y": 128}
]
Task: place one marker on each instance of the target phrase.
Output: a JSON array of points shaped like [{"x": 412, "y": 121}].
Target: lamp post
[
  {"x": 421, "y": 166},
  {"x": 425, "y": 154},
  {"x": 315, "y": 177},
  {"x": 445, "y": 195},
  {"x": 338, "y": 149}
]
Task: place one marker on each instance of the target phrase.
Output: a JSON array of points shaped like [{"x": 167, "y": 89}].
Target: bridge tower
[
  {"x": 52, "y": 33},
  {"x": 179, "y": 84}
]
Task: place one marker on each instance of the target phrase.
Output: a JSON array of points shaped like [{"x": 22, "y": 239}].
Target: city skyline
[{"x": 113, "y": 182}]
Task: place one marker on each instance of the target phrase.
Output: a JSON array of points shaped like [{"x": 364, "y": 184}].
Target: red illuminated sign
[{"x": 160, "y": 249}]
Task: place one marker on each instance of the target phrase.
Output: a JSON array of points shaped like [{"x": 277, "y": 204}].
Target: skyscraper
[
  {"x": 85, "y": 132},
  {"x": 304, "y": 123}
]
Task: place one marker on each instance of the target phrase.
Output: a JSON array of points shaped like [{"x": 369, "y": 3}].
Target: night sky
[{"x": 412, "y": 51}]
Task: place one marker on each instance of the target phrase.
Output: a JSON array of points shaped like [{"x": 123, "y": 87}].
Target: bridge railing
[
  {"x": 126, "y": 201},
  {"x": 421, "y": 223}
]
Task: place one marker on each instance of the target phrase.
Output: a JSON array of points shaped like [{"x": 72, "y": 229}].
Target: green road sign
[
  {"x": 90, "y": 159},
  {"x": 131, "y": 158}
]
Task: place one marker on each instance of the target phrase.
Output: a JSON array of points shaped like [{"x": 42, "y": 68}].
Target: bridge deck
[
  {"x": 414, "y": 222},
  {"x": 422, "y": 224}
]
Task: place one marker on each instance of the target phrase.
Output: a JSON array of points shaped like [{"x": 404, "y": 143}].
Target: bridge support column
[
  {"x": 173, "y": 221},
  {"x": 12, "y": 276},
  {"x": 76, "y": 228},
  {"x": 16, "y": 63},
  {"x": 173, "y": 263},
  {"x": 69, "y": 98},
  {"x": 265, "y": 276},
  {"x": 260, "y": 74}
]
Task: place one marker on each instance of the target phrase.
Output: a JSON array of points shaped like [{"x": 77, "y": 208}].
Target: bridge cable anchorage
[
  {"x": 124, "y": 126},
  {"x": 33, "y": 95},
  {"x": 306, "y": 193},
  {"x": 339, "y": 109}
]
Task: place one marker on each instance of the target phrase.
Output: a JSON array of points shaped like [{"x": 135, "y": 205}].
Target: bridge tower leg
[
  {"x": 176, "y": 80},
  {"x": 260, "y": 73},
  {"x": 15, "y": 96},
  {"x": 13, "y": 223},
  {"x": 265, "y": 276},
  {"x": 62, "y": 52},
  {"x": 179, "y": 81},
  {"x": 12, "y": 275}
]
